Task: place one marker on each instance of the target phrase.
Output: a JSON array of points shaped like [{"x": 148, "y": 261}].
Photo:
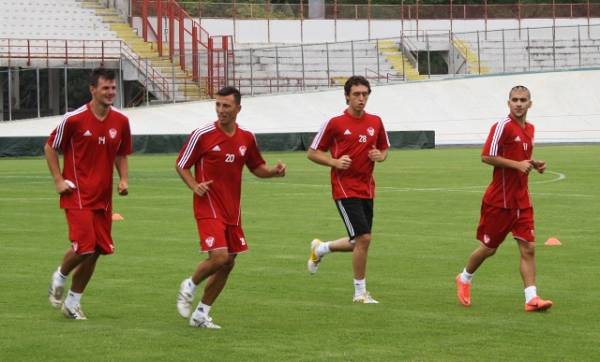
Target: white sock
[
  {"x": 191, "y": 285},
  {"x": 202, "y": 308},
  {"x": 530, "y": 293},
  {"x": 360, "y": 286},
  {"x": 73, "y": 299},
  {"x": 323, "y": 249},
  {"x": 466, "y": 277},
  {"x": 60, "y": 278}
]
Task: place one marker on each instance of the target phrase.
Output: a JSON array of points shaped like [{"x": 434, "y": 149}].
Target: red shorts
[
  {"x": 215, "y": 234},
  {"x": 495, "y": 223},
  {"x": 89, "y": 230}
]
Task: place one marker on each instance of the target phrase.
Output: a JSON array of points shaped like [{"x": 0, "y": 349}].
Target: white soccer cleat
[
  {"x": 199, "y": 320},
  {"x": 73, "y": 312},
  {"x": 184, "y": 299},
  {"x": 56, "y": 290},
  {"x": 364, "y": 298},
  {"x": 314, "y": 259}
]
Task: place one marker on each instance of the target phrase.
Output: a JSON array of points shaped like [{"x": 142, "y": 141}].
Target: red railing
[
  {"x": 186, "y": 32},
  {"x": 73, "y": 51}
]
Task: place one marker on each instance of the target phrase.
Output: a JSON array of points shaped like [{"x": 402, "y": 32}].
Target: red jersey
[
  {"x": 220, "y": 158},
  {"x": 509, "y": 188},
  {"x": 352, "y": 136},
  {"x": 90, "y": 147}
]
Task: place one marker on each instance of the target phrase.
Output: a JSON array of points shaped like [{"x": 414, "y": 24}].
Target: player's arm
[
  {"x": 263, "y": 171},
  {"x": 498, "y": 161},
  {"x": 198, "y": 188},
  {"x": 122, "y": 166},
  {"x": 325, "y": 159},
  {"x": 54, "y": 167}
]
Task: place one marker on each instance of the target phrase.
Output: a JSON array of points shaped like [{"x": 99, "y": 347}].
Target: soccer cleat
[
  {"x": 314, "y": 259},
  {"x": 56, "y": 291},
  {"x": 184, "y": 299},
  {"x": 364, "y": 298},
  {"x": 200, "y": 320},
  {"x": 537, "y": 304},
  {"x": 73, "y": 312},
  {"x": 463, "y": 292}
]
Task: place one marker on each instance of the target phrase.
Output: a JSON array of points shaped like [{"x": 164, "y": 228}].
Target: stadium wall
[
  {"x": 318, "y": 31},
  {"x": 566, "y": 109}
]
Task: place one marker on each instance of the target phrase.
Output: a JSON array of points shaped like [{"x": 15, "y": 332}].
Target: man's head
[
  {"x": 519, "y": 102},
  {"x": 357, "y": 90},
  {"x": 228, "y": 104},
  {"x": 103, "y": 86}
]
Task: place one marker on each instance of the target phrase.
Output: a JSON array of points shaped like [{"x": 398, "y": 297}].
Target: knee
[
  {"x": 219, "y": 260},
  {"x": 362, "y": 241},
  {"x": 229, "y": 264},
  {"x": 528, "y": 250}
]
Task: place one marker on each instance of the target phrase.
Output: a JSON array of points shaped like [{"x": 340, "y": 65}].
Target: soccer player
[
  {"x": 218, "y": 151},
  {"x": 94, "y": 139},
  {"x": 355, "y": 141},
  {"x": 506, "y": 205}
]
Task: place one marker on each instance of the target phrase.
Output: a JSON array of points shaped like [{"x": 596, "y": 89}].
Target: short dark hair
[
  {"x": 229, "y": 90},
  {"x": 519, "y": 88},
  {"x": 356, "y": 80},
  {"x": 98, "y": 73}
]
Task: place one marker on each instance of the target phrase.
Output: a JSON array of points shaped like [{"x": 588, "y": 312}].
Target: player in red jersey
[
  {"x": 506, "y": 205},
  {"x": 93, "y": 139},
  {"x": 355, "y": 140},
  {"x": 218, "y": 152}
]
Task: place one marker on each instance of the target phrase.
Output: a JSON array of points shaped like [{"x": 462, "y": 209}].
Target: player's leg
[
  {"x": 59, "y": 278},
  {"x": 212, "y": 241},
  {"x": 494, "y": 225},
  {"x": 524, "y": 234},
  {"x": 236, "y": 243}
]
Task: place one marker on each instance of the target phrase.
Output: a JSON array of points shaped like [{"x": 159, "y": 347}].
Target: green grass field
[{"x": 426, "y": 212}]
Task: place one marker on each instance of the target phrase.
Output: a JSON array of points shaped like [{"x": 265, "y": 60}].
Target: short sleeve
[
  {"x": 62, "y": 134},
  {"x": 324, "y": 137},
  {"x": 253, "y": 156},
  {"x": 125, "y": 147},
  {"x": 495, "y": 139},
  {"x": 191, "y": 150},
  {"x": 383, "y": 142}
]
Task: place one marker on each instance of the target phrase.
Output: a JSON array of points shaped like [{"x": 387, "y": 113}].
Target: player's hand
[
  {"x": 279, "y": 169},
  {"x": 343, "y": 163},
  {"x": 63, "y": 187},
  {"x": 524, "y": 166},
  {"x": 539, "y": 165},
  {"x": 123, "y": 188},
  {"x": 202, "y": 188},
  {"x": 375, "y": 155}
]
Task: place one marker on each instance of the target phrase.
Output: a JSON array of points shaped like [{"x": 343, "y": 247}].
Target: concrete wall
[{"x": 566, "y": 108}]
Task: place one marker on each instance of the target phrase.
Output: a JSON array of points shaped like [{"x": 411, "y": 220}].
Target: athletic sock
[
  {"x": 530, "y": 293},
  {"x": 323, "y": 249},
  {"x": 73, "y": 299},
  {"x": 191, "y": 285},
  {"x": 466, "y": 277},
  {"x": 202, "y": 308},
  {"x": 360, "y": 286},
  {"x": 61, "y": 277}
]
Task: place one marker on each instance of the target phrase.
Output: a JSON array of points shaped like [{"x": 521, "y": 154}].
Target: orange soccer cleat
[
  {"x": 463, "y": 292},
  {"x": 537, "y": 304}
]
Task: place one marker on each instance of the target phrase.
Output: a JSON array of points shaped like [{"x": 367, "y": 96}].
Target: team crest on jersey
[
  {"x": 112, "y": 133},
  {"x": 209, "y": 241},
  {"x": 243, "y": 150},
  {"x": 371, "y": 131}
]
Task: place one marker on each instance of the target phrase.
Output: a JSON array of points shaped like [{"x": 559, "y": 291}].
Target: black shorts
[{"x": 357, "y": 215}]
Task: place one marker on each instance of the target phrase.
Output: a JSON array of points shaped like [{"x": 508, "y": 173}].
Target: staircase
[
  {"x": 400, "y": 63},
  {"x": 474, "y": 66},
  {"x": 185, "y": 89}
]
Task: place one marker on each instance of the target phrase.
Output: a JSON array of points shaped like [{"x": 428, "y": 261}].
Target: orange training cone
[
  {"x": 117, "y": 217},
  {"x": 552, "y": 241}
]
